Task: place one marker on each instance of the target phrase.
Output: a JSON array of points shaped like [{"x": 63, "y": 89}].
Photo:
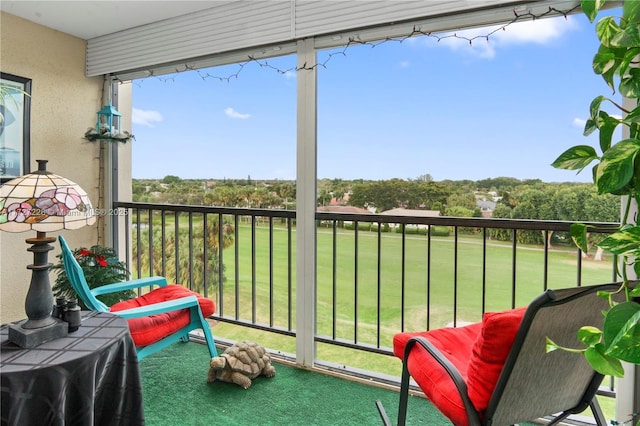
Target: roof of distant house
[
  {"x": 486, "y": 205},
  {"x": 343, "y": 209},
  {"x": 410, "y": 212}
]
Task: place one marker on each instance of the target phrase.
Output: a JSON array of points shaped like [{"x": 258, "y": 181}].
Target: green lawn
[
  {"x": 267, "y": 297},
  {"x": 263, "y": 292}
]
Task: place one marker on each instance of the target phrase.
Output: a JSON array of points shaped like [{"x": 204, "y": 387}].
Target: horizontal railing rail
[{"x": 376, "y": 274}]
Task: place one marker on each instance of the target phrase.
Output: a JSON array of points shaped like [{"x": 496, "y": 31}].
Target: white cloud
[
  {"x": 540, "y": 31},
  {"x": 230, "y": 112},
  {"x": 145, "y": 117},
  {"x": 290, "y": 74},
  {"x": 579, "y": 122},
  {"x": 404, "y": 64}
]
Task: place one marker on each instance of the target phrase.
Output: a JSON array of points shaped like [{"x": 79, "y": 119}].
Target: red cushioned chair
[
  {"x": 156, "y": 319},
  {"x": 498, "y": 372}
]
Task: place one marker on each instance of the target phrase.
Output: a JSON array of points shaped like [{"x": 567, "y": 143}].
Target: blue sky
[{"x": 507, "y": 107}]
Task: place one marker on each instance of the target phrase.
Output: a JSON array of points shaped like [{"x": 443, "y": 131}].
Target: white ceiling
[{"x": 89, "y": 19}]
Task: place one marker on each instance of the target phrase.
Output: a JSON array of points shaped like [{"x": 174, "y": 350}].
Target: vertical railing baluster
[
  {"x": 402, "y": 278},
  {"x": 163, "y": 242},
  {"x": 138, "y": 245},
  {"x": 355, "y": 283},
  {"x": 455, "y": 276},
  {"x": 128, "y": 240},
  {"x": 579, "y": 261},
  {"x": 253, "y": 268},
  {"x": 270, "y": 271},
  {"x": 176, "y": 243},
  {"x": 334, "y": 281},
  {"x": 484, "y": 269},
  {"x": 237, "y": 261},
  {"x": 379, "y": 285},
  {"x": 150, "y": 239},
  {"x": 220, "y": 264},
  {"x": 205, "y": 254},
  {"x": 545, "y": 276},
  {"x": 513, "y": 268},
  {"x": 289, "y": 274},
  {"x": 428, "y": 301},
  {"x": 190, "y": 252}
]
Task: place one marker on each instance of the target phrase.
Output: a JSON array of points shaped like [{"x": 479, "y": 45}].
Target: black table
[{"x": 90, "y": 377}]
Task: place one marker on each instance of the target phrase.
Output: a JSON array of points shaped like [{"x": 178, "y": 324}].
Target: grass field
[
  {"x": 421, "y": 292},
  {"x": 347, "y": 307}
]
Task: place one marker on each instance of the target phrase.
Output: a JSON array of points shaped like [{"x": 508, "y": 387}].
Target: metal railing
[{"x": 376, "y": 274}]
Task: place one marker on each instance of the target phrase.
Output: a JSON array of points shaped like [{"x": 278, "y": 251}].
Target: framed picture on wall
[{"x": 15, "y": 112}]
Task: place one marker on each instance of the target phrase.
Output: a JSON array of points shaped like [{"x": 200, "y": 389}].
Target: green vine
[{"x": 616, "y": 171}]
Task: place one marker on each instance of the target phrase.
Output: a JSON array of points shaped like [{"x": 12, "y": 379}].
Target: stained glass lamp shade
[{"x": 41, "y": 201}]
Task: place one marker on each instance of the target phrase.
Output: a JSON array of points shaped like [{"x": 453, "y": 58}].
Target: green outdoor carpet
[{"x": 176, "y": 392}]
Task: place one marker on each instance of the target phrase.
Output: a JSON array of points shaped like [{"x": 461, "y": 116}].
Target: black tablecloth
[{"x": 90, "y": 377}]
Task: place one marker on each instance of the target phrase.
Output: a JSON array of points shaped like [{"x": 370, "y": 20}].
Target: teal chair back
[{"x": 77, "y": 279}]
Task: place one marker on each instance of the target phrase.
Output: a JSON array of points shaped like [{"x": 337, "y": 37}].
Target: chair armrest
[
  {"x": 159, "y": 308},
  {"x": 128, "y": 285},
  {"x": 451, "y": 370}
]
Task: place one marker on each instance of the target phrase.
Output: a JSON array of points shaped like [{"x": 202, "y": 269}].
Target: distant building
[
  {"x": 342, "y": 209},
  {"x": 486, "y": 207},
  {"x": 410, "y": 212}
]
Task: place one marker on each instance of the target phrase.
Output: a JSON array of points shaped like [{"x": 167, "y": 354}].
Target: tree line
[{"x": 513, "y": 198}]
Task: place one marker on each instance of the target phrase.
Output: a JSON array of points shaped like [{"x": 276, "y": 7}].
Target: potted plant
[
  {"x": 100, "y": 266},
  {"x": 616, "y": 171}
]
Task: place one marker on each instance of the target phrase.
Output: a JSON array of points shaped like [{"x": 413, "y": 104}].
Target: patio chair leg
[
  {"x": 598, "y": 416},
  {"x": 597, "y": 412},
  {"x": 383, "y": 414},
  {"x": 558, "y": 419},
  {"x": 404, "y": 395}
]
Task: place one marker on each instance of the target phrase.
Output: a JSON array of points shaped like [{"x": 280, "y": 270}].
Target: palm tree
[{"x": 194, "y": 263}]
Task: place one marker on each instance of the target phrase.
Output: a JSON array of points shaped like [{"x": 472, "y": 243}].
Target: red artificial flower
[
  {"x": 82, "y": 253},
  {"x": 97, "y": 257}
]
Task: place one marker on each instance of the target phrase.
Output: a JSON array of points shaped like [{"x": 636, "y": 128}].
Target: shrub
[
  {"x": 100, "y": 266},
  {"x": 440, "y": 231}
]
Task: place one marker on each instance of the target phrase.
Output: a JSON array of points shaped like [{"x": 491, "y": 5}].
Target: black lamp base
[{"x": 32, "y": 337}]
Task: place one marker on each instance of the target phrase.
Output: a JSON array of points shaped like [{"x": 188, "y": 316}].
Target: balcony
[{"x": 376, "y": 275}]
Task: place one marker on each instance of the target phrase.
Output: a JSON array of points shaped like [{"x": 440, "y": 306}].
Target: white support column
[
  {"x": 106, "y": 167},
  {"x": 628, "y": 388},
  {"x": 306, "y": 204}
]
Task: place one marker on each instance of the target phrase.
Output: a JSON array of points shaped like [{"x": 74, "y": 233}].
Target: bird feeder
[{"x": 108, "y": 122}]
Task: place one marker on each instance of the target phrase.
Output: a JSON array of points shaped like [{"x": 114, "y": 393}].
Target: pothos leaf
[
  {"x": 607, "y": 126},
  {"x": 630, "y": 84},
  {"x": 607, "y": 29},
  {"x": 589, "y": 335},
  {"x": 575, "y": 158},
  {"x": 631, "y": 12},
  {"x": 624, "y": 242},
  {"x": 578, "y": 233},
  {"x": 603, "y": 363},
  {"x": 616, "y": 166},
  {"x": 594, "y": 107},
  {"x": 591, "y": 8},
  {"x": 621, "y": 332}
]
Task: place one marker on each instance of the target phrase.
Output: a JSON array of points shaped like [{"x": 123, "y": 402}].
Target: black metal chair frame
[{"x": 532, "y": 379}]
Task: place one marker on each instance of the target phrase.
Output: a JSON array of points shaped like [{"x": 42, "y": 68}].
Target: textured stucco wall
[{"x": 63, "y": 105}]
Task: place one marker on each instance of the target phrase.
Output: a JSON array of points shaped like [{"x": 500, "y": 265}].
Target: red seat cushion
[
  {"x": 148, "y": 330},
  {"x": 478, "y": 351},
  {"x": 454, "y": 343}
]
